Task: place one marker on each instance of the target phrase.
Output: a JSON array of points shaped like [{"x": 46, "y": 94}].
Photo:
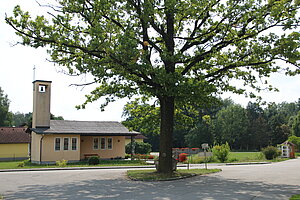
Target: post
[
  {"x": 205, "y": 159},
  {"x": 188, "y": 165},
  {"x": 204, "y": 147}
]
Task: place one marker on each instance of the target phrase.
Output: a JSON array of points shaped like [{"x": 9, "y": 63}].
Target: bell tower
[{"x": 41, "y": 104}]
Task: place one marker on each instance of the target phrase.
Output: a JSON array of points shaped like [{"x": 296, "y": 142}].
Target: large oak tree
[{"x": 174, "y": 50}]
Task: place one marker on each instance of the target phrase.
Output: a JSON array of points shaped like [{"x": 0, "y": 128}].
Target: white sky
[{"x": 16, "y": 76}]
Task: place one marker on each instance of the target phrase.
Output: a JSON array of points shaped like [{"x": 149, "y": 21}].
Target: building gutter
[{"x": 41, "y": 148}]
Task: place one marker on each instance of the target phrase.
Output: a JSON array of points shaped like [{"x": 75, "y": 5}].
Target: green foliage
[
  {"x": 53, "y": 117},
  {"x": 26, "y": 163},
  {"x": 62, "y": 163},
  {"x": 296, "y": 125},
  {"x": 295, "y": 140},
  {"x": 221, "y": 152},
  {"x": 5, "y": 115},
  {"x": 271, "y": 152},
  {"x": 174, "y": 51},
  {"x": 21, "y": 119},
  {"x": 202, "y": 133},
  {"x": 144, "y": 118},
  {"x": 139, "y": 148},
  {"x": 231, "y": 125},
  {"x": 21, "y": 164},
  {"x": 295, "y": 197},
  {"x": 93, "y": 160}
]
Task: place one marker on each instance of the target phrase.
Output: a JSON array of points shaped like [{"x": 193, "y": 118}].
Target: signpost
[{"x": 205, "y": 147}]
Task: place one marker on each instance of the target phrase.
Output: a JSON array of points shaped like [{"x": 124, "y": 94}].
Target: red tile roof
[{"x": 13, "y": 135}]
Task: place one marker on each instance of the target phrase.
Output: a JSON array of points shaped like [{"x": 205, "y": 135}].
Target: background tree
[
  {"x": 258, "y": 130},
  {"x": 144, "y": 118},
  {"x": 202, "y": 133},
  {"x": 21, "y": 119},
  {"x": 277, "y": 123},
  {"x": 183, "y": 51},
  {"x": 231, "y": 126},
  {"x": 5, "y": 115},
  {"x": 296, "y": 125}
]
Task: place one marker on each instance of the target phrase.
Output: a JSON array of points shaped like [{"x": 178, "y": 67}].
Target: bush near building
[
  {"x": 139, "y": 148},
  {"x": 271, "y": 152}
]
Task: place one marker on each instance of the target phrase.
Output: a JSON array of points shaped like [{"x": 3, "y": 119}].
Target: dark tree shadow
[{"x": 201, "y": 187}]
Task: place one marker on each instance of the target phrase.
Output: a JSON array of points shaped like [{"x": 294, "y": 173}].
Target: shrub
[
  {"x": 21, "y": 164},
  {"x": 221, "y": 152},
  {"x": 62, "y": 163},
  {"x": 182, "y": 157},
  {"x": 144, "y": 156},
  {"x": 139, "y": 148},
  {"x": 94, "y": 160},
  {"x": 25, "y": 163},
  {"x": 271, "y": 152},
  {"x": 295, "y": 140},
  {"x": 127, "y": 156}
]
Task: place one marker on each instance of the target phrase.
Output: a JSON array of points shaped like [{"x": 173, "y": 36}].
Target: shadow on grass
[{"x": 200, "y": 187}]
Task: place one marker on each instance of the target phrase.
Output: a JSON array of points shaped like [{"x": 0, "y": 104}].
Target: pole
[
  {"x": 34, "y": 72},
  {"x": 205, "y": 158}
]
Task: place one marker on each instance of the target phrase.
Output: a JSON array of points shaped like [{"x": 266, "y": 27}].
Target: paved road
[{"x": 270, "y": 181}]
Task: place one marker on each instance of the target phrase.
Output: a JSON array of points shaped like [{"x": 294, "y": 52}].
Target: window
[
  {"x": 66, "y": 143},
  {"x": 74, "y": 144},
  {"x": 42, "y": 88},
  {"x": 109, "y": 143},
  {"x": 96, "y": 143},
  {"x": 102, "y": 143},
  {"x": 57, "y": 144}
]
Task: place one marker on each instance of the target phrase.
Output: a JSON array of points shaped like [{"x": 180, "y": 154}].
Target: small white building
[{"x": 287, "y": 149}]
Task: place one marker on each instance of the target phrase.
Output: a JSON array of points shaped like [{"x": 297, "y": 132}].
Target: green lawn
[
  {"x": 235, "y": 157},
  {"x": 152, "y": 175},
  {"x": 245, "y": 156},
  {"x": 295, "y": 197},
  {"x": 15, "y": 164}
]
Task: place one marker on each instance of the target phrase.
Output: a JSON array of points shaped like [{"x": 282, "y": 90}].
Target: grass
[
  {"x": 246, "y": 157},
  {"x": 295, "y": 197},
  {"x": 153, "y": 175},
  {"x": 236, "y": 157},
  {"x": 1, "y": 197},
  {"x": 15, "y": 164}
]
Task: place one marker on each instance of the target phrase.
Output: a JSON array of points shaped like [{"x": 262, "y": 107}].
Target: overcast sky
[{"x": 16, "y": 76}]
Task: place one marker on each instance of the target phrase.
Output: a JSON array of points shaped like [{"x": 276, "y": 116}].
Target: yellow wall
[
  {"x": 85, "y": 146},
  {"x": 14, "y": 150},
  {"x": 49, "y": 154},
  {"x": 35, "y": 147},
  {"x": 118, "y": 149},
  {"x": 129, "y": 140}
]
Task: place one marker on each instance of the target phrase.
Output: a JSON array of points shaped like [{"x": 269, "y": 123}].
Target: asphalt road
[{"x": 268, "y": 181}]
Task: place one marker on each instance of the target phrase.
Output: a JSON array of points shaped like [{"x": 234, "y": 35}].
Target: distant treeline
[{"x": 250, "y": 128}]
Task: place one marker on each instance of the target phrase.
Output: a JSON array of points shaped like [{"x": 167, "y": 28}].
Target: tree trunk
[{"x": 166, "y": 134}]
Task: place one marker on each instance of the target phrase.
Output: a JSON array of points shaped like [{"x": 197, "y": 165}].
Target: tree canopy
[
  {"x": 173, "y": 50},
  {"x": 5, "y": 115},
  {"x": 247, "y": 129}
]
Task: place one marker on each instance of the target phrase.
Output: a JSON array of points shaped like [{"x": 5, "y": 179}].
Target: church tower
[{"x": 41, "y": 104}]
